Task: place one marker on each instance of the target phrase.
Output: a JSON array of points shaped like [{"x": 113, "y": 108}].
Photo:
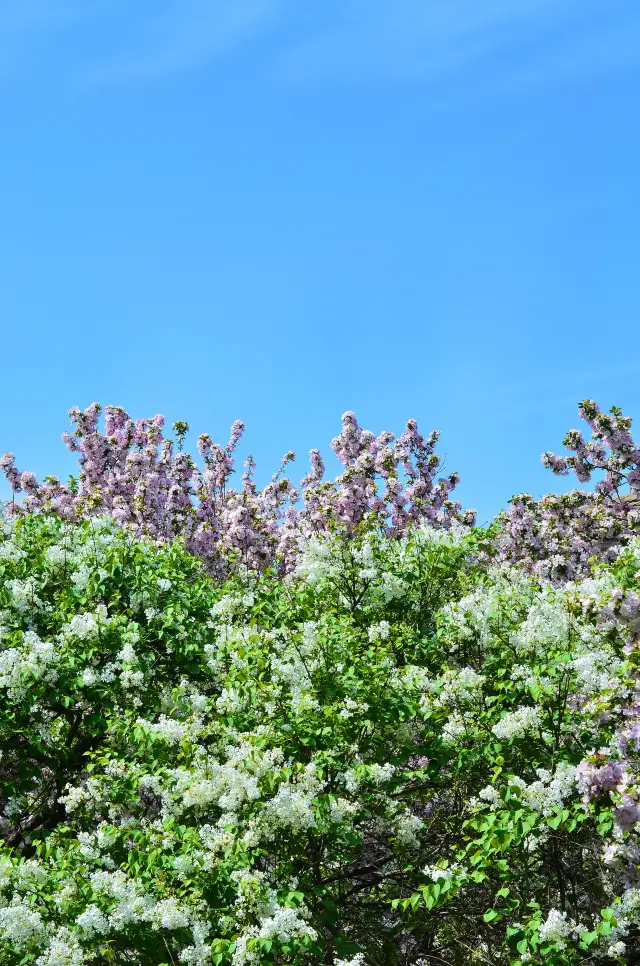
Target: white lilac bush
[{"x": 364, "y": 734}]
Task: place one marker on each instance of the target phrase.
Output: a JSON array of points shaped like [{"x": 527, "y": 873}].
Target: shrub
[{"x": 382, "y": 758}]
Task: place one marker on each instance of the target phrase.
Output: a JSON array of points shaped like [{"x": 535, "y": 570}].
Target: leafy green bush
[{"x": 381, "y": 758}]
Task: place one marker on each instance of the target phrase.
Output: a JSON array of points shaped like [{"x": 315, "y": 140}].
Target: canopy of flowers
[{"x": 333, "y": 725}]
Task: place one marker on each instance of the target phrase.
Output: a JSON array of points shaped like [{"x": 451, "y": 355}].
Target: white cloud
[
  {"x": 32, "y": 15},
  {"x": 474, "y": 47},
  {"x": 605, "y": 47},
  {"x": 440, "y": 41},
  {"x": 184, "y": 33}
]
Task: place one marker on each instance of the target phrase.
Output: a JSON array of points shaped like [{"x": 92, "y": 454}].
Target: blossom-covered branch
[
  {"x": 131, "y": 472},
  {"x": 557, "y": 536}
]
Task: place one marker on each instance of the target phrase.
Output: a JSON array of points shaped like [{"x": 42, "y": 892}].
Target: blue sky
[{"x": 278, "y": 210}]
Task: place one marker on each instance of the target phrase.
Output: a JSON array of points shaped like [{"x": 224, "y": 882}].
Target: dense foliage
[
  {"x": 388, "y": 740},
  {"x": 132, "y": 473}
]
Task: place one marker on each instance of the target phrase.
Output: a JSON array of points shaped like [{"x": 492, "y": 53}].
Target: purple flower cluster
[
  {"x": 596, "y": 780},
  {"x": 555, "y": 537},
  {"x": 131, "y": 472},
  {"x": 611, "y": 779}
]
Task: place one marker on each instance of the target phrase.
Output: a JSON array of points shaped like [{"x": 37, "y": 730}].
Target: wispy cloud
[
  {"x": 607, "y": 46},
  {"x": 32, "y": 15},
  {"x": 436, "y": 42},
  {"x": 182, "y": 34},
  {"x": 412, "y": 38},
  {"x": 466, "y": 45},
  {"x": 29, "y": 24}
]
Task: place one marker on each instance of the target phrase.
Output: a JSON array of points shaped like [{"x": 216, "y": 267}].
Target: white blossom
[
  {"x": 517, "y": 723},
  {"x": 21, "y": 924},
  {"x": 63, "y": 950},
  {"x": 557, "y": 927},
  {"x": 379, "y": 632}
]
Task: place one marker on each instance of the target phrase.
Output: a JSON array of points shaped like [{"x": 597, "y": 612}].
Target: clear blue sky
[{"x": 281, "y": 209}]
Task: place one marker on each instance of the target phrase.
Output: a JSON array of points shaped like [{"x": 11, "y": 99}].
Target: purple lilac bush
[
  {"x": 132, "y": 473},
  {"x": 556, "y": 537}
]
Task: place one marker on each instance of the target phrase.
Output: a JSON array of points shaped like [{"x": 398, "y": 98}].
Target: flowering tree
[
  {"x": 238, "y": 727},
  {"x": 131, "y": 472},
  {"x": 383, "y": 758},
  {"x": 557, "y": 536}
]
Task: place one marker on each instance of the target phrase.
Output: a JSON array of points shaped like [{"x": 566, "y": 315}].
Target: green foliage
[{"x": 375, "y": 755}]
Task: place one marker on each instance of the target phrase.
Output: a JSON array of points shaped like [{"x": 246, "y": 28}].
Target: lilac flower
[{"x": 596, "y": 781}]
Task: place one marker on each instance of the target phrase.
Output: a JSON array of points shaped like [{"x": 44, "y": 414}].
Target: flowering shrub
[
  {"x": 132, "y": 473},
  {"x": 389, "y": 756},
  {"x": 240, "y": 729},
  {"x": 557, "y": 536}
]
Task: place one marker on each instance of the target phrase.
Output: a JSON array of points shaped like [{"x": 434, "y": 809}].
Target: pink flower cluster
[
  {"x": 131, "y": 472},
  {"x": 556, "y": 536}
]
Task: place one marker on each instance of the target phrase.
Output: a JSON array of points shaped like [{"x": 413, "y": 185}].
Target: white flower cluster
[
  {"x": 324, "y": 560},
  {"x": 454, "y": 728},
  {"x": 11, "y": 552},
  {"x": 474, "y": 616},
  {"x": 229, "y": 784},
  {"x": 412, "y": 678},
  {"x": 200, "y": 953},
  {"x": 167, "y": 914},
  {"x": 407, "y": 828},
  {"x": 627, "y": 912},
  {"x": 30, "y": 873},
  {"x": 130, "y": 906},
  {"x": 256, "y": 899},
  {"x": 168, "y": 729},
  {"x": 439, "y": 874},
  {"x": 58, "y": 555},
  {"x": 21, "y": 924},
  {"x": 549, "y": 792},
  {"x": 93, "y": 846},
  {"x": 458, "y": 688},
  {"x": 283, "y": 925},
  {"x": 20, "y": 666},
  {"x": 92, "y": 921},
  {"x": 547, "y": 625},
  {"x": 490, "y": 794},
  {"x": 231, "y": 606},
  {"x": 391, "y": 587},
  {"x": 292, "y": 805},
  {"x": 63, "y": 949},
  {"x": 517, "y": 723},
  {"x": 466, "y": 617},
  {"x": 381, "y": 773},
  {"x": 597, "y": 671},
  {"x": 80, "y": 578},
  {"x": 351, "y": 707},
  {"x": 379, "y": 632},
  {"x": 318, "y": 561},
  {"x": 617, "y": 948},
  {"x": 557, "y": 927},
  {"x": 23, "y": 594},
  {"x": 86, "y": 626},
  {"x": 364, "y": 559},
  {"x": 451, "y": 536}
]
